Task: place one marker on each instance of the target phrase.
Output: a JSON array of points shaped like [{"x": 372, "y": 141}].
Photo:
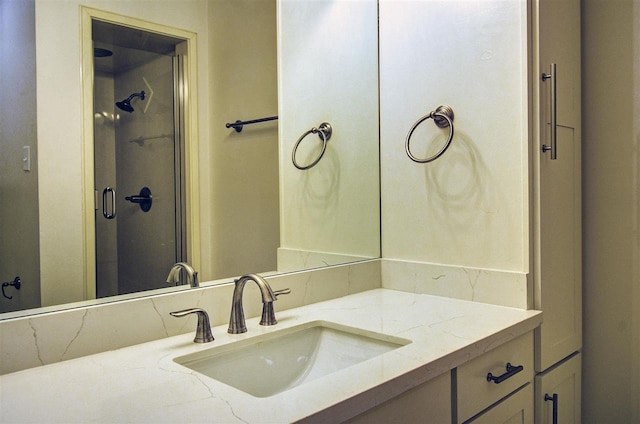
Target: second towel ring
[
  {"x": 324, "y": 131},
  {"x": 443, "y": 118}
]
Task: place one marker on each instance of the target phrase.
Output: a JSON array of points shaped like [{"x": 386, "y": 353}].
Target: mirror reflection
[
  {"x": 138, "y": 158},
  {"x": 253, "y": 211}
]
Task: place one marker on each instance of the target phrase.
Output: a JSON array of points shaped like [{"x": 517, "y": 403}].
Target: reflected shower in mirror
[
  {"x": 126, "y": 103},
  {"x": 137, "y": 155}
]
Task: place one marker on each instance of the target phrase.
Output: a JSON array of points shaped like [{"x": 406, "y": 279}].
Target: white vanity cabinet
[
  {"x": 427, "y": 403},
  {"x": 557, "y": 264},
  {"x": 557, "y": 194},
  {"x": 517, "y": 408},
  {"x": 467, "y": 394},
  {"x": 558, "y": 393},
  {"x": 489, "y": 390}
]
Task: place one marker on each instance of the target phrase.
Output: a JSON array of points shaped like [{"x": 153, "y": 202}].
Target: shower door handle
[
  {"x": 553, "y": 76},
  {"x": 105, "y": 195}
]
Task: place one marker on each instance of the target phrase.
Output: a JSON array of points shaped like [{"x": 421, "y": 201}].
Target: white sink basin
[{"x": 272, "y": 363}]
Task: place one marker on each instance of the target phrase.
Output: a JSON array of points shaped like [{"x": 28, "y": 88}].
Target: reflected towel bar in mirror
[{"x": 238, "y": 125}]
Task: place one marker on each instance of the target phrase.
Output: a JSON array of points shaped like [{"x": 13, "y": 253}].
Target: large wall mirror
[{"x": 252, "y": 209}]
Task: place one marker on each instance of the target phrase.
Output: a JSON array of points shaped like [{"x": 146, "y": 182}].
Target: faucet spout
[
  {"x": 174, "y": 274},
  {"x": 237, "y": 323}
]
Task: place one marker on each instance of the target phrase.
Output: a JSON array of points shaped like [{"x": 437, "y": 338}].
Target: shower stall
[{"x": 138, "y": 159}]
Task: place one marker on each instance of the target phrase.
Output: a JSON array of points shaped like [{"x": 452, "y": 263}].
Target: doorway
[{"x": 143, "y": 154}]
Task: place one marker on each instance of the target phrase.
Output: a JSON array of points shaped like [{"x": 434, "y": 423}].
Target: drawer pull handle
[{"x": 511, "y": 371}]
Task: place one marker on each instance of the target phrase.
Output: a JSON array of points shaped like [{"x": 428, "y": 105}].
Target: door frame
[{"x": 191, "y": 172}]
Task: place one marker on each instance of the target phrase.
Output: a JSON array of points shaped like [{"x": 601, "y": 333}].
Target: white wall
[
  {"x": 469, "y": 208},
  {"x": 59, "y": 97},
  {"x": 18, "y": 188},
  {"x": 334, "y": 206},
  {"x": 611, "y": 211}
]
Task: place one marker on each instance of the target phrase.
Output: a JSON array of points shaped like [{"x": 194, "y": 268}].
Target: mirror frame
[{"x": 192, "y": 185}]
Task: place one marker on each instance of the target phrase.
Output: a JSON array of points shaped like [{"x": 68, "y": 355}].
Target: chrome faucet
[
  {"x": 237, "y": 322},
  {"x": 174, "y": 274}
]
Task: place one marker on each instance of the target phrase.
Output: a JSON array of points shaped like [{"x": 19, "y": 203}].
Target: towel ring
[
  {"x": 324, "y": 131},
  {"x": 443, "y": 118}
]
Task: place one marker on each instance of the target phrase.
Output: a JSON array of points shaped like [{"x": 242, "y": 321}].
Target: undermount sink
[{"x": 272, "y": 363}]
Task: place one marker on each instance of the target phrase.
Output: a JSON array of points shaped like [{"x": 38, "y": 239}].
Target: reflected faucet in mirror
[
  {"x": 237, "y": 323},
  {"x": 174, "y": 274}
]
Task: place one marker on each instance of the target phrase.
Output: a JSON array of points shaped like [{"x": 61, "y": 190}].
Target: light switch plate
[{"x": 26, "y": 158}]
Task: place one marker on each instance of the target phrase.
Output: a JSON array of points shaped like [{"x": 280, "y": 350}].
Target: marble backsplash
[
  {"x": 502, "y": 288},
  {"x": 47, "y": 338}
]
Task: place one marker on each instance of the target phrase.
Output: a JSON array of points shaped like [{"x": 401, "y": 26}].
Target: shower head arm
[{"x": 140, "y": 94}]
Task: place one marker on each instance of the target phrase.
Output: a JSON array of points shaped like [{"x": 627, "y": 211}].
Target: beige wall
[
  {"x": 244, "y": 166},
  {"x": 611, "y": 207},
  {"x": 18, "y": 188}
]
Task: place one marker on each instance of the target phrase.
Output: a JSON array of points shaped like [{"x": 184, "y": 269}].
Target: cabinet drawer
[
  {"x": 475, "y": 393},
  {"x": 427, "y": 403},
  {"x": 515, "y": 409}
]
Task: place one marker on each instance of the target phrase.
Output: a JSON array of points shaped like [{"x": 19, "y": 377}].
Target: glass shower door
[{"x": 137, "y": 175}]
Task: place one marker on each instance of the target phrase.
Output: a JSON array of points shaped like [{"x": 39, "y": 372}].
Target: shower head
[{"x": 126, "y": 103}]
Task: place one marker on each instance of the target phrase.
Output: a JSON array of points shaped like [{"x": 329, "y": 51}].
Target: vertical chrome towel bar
[{"x": 553, "y": 76}]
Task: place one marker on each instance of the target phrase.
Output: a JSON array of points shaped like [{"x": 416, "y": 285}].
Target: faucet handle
[
  {"x": 203, "y": 331},
  {"x": 268, "y": 313},
  {"x": 282, "y": 291}
]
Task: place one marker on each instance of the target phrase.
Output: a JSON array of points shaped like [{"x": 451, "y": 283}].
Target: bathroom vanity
[{"x": 438, "y": 344}]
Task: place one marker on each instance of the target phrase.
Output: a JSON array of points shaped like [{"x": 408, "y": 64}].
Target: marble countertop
[{"x": 143, "y": 384}]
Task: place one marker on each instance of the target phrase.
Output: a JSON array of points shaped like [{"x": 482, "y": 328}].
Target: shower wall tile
[
  {"x": 478, "y": 285},
  {"x": 57, "y": 336}
]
